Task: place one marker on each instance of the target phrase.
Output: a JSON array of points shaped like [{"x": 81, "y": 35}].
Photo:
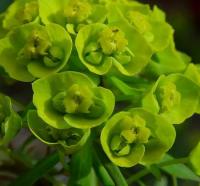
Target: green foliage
[{"x": 105, "y": 86}]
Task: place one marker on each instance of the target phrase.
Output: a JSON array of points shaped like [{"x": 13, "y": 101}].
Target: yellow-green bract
[
  {"x": 33, "y": 51},
  {"x": 72, "y": 99},
  {"x": 175, "y": 97},
  {"x": 101, "y": 47},
  {"x": 10, "y": 121},
  {"x": 70, "y": 139},
  {"x": 136, "y": 136},
  {"x": 72, "y": 14}
]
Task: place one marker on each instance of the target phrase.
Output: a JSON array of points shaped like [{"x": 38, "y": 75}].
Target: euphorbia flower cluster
[{"x": 102, "y": 70}]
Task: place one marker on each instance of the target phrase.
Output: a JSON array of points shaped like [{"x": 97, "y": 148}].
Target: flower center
[
  {"x": 77, "y": 11},
  {"x": 79, "y": 99},
  {"x": 122, "y": 142},
  {"x": 38, "y": 46},
  {"x": 112, "y": 40},
  {"x": 167, "y": 97}
]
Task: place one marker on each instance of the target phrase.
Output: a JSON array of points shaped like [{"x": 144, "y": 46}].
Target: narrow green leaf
[
  {"x": 101, "y": 171},
  {"x": 39, "y": 170},
  {"x": 81, "y": 169},
  {"x": 179, "y": 170}
]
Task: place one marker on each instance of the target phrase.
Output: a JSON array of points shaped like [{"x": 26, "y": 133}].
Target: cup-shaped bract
[
  {"x": 33, "y": 51},
  {"x": 18, "y": 13},
  {"x": 175, "y": 97},
  {"x": 72, "y": 14},
  {"x": 10, "y": 121},
  {"x": 102, "y": 46},
  {"x": 71, "y": 139},
  {"x": 72, "y": 99},
  {"x": 136, "y": 136},
  {"x": 151, "y": 24}
]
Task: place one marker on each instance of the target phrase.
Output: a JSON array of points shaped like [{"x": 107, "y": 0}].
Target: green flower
[
  {"x": 100, "y": 47},
  {"x": 33, "y": 51},
  {"x": 194, "y": 159},
  {"x": 72, "y": 99},
  {"x": 10, "y": 122},
  {"x": 20, "y": 12},
  {"x": 151, "y": 24},
  {"x": 70, "y": 139},
  {"x": 72, "y": 14},
  {"x": 136, "y": 136},
  {"x": 175, "y": 97}
]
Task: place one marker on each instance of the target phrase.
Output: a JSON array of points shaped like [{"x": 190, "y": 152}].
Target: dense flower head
[{"x": 103, "y": 72}]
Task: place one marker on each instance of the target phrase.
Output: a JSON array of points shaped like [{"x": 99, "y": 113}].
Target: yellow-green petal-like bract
[{"x": 136, "y": 136}]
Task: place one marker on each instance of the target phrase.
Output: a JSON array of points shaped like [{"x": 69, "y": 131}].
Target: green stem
[
  {"x": 174, "y": 181},
  {"x": 137, "y": 176},
  {"x": 116, "y": 174},
  {"x": 174, "y": 161},
  {"x": 112, "y": 169},
  {"x": 39, "y": 170},
  {"x": 101, "y": 171}
]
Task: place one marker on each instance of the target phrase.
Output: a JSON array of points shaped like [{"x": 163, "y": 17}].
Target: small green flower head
[
  {"x": 151, "y": 24},
  {"x": 20, "y": 12},
  {"x": 10, "y": 122},
  {"x": 38, "y": 51},
  {"x": 71, "y": 139},
  {"x": 72, "y": 14},
  {"x": 174, "y": 97},
  {"x": 77, "y": 11},
  {"x": 194, "y": 159},
  {"x": 136, "y": 136},
  {"x": 100, "y": 47},
  {"x": 72, "y": 99}
]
